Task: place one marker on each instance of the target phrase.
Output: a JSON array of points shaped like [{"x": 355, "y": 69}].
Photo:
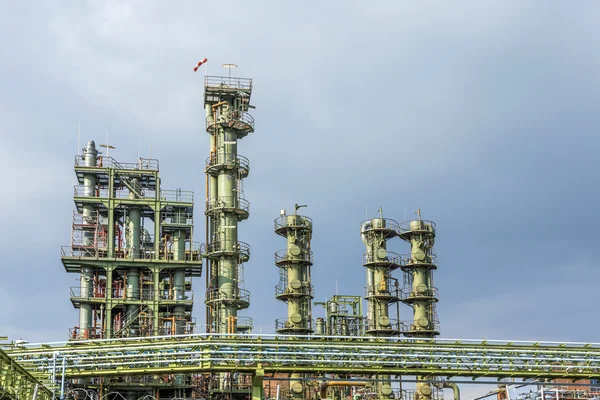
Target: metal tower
[
  {"x": 294, "y": 286},
  {"x": 418, "y": 290},
  {"x": 226, "y": 101},
  {"x": 132, "y": 282},
  {"x": 294, "y": 264},
  {"x": 382, "y": 289}
]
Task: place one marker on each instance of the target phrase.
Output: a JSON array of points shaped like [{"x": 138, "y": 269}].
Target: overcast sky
[{"x": 483, "y": 114}]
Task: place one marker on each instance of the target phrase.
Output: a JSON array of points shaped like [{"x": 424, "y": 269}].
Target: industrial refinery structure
[{"x": 135, "y": 250}]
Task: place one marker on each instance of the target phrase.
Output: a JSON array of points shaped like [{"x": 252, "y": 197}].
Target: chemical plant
[{"x": 135, "y": 248}]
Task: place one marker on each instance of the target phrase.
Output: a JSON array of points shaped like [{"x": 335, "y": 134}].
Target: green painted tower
[
  {"x": 295, "y": 288},
  {"x": 418, "y": 291},
  {"x": 382, "y": 290},
  {"x": 226, "y": 102},
  {"x": 133, "y": 249}
]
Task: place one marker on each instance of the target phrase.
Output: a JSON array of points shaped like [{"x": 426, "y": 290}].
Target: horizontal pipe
[{"x": 325, "y": 385}]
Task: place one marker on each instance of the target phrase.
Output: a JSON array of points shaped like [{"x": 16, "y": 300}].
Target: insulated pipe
[
  {"x": 90, "y": 217},
  {"x": 453, "y": 386},
  {"x": 179, "y": 238},
  {"x": 325, "y": 385}
]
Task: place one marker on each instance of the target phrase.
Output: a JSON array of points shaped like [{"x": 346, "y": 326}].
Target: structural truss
[{"x": 259, "y": 355}]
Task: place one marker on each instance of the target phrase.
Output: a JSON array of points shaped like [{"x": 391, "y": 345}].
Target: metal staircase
[{"x": 132, "y": 316}]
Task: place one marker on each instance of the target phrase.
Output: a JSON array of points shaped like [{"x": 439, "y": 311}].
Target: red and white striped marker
[{"x": 199, "y": 64}]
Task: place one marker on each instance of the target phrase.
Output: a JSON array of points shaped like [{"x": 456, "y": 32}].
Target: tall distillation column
[
  {"x": 226, "y": 101},
  {"x": 133, "y": 235},
  {"x": 90, "y": 218},
  {"x": 382, "y": 289},
  {"x": 179, "y": 237},
  {"x": 418, "y": 290},
  {"x": 295, "y": 286}
]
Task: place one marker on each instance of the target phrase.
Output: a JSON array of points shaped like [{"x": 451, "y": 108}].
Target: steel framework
[
  {"x": 316, "y": 355},
  {"x": 16, "y": 383}
]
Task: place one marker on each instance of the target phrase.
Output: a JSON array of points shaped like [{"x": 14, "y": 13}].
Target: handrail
[
  {"x": 283, "y": 256},
  {"x": 390, "y": 258},
  {"x": 229, "y": 160},
  {"x": 388, "y": 225},
  {"x": 238, "y": 294},
  {"x": 147, "y": 164},
  {"x": 186, "y": 196},
  {"x": 293, "y": 221},
  {"x": 229, "y": 246},
  {"x": 104, "y": 193},
  {"x": 239, "y": 120},
  {"x": 284, "y": 323},
  {"x": 283, "y": 289},
  {"x": 146, "y": 294},
  {"x": 417, "y": 226},
  {"x": 211, "y": 81},
  {"x": 95, "y": 252},
  {"x": 409, "y": 292},
  {"x": 223, "y": 202}
]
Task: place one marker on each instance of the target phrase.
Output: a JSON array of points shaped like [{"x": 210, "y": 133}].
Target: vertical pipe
[
  {"x": 179, "y": 238},
  {"x": 90, "y": 220}
]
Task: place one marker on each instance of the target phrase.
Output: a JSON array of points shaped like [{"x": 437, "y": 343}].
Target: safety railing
[
  {"x": 228, "y": 83},
  {"x": 91, "y": 293},
  {"x": 176, "y": 218},
  {"x": 237, "y": 295},
  {"x": 384, "y": 257},
  {"x": 293, "y": 222},
  {"x": 283, "y": 289},
  {"x": 383, "y": 290},
  {"x": 86, "y": 223},
  {"x": 384, "y": 324},
  {"x": 380, "y": 224},
  {"x": 430, "y": 260},
  {"x": 90, "y": 333},
  {"x": 239, "y": 120},
  {"x": 186, "y": 196},
  {"x": 149, "y": 164},
  {"x": 228, "y": 161},
  {"x": 245, "y": 324},
  {"x": 417, "y": 226},
  {"x": 144, "y": 294},
  {"x": 409, "y": 292},
  {"x": 284, "y": 323},
  {"x": 238, "y": 204},
  {"x": 283, "y": 256},
  {"x": 229, "y": 248},
  {"x": 119, "y": 192},
  {"x": 415, "y": 329},
  {"x": 83, "y": 251}
]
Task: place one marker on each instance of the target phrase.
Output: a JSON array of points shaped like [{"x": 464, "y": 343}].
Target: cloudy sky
[{"x": 483, "y": 114}]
